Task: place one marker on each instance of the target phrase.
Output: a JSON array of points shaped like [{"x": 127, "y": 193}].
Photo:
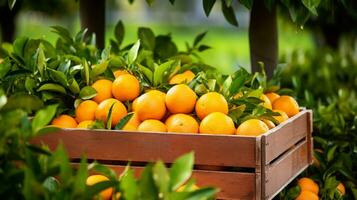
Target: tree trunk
[
  {"x": 263, "y": 38},
  {"x": 92, "y": 13}
]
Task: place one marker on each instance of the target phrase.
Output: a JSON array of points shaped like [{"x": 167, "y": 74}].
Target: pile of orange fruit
[
  {"x": 309, "y": 189},
  {"x": 178, "y": 110}
]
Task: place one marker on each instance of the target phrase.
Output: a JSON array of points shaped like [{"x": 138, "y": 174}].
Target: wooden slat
[
  {"x": 218, "y": 150},
  {"x": 285, "y": 169},
  {"x": 232, "y": 185},
  {"x": 282, "y": 137}
]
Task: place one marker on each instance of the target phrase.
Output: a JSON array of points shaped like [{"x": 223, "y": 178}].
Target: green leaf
[
  {"x": 81, "y": 177},
  {"x": 147, "y": 184},
  {"x": 199, "y": 38},
  {"x": 63, "y": 33},
  {"x": 87, "y": 92},
  {"x": 73, "y": 86},
  {"x": 119, "y": 32},
  {"x": 208, "y": 5},
  {"x": 80, "y": 35},
  {"x": 5, "y": 67},
  {"x": 47, "y": 129},
  {"x": 51, "y": 184},
  {"x": 129, "y": 186},
  {"x": 19, "y": 46},
  {"x": 160, "y": 71},
  {"x": 52, "y": 87},
  {"x": 109, "y": 117},
  {"x": 203, "y": 47},
  {"x": 172, "y": 2},
  {"x": 11, "y": 3},
  {"x": 164, "y": 47},
  {"x": 331, "y": 153},
  {"x": 93, "y": 190},
  {"x": 181, "y": 170},
  {"x": 23, "y": 101},
  {"x": 161, "y": 177},
  {"x": 147, "y": 38},
  {"x": 150, "y": 2},
  {"x": 229, "y": 14},
  {"x": 123, "y": 121},
  {"x": 226, "y": 86},
  {"x": 203, "y": 193},
  {"x": 247, "y": 3},
  {"x": 311, "y": 5},
  {"x": 30, "y": 84},
  {"x": 102, "y": 169},
  {"x": 43, "y": 117},
  {"x": 99, "y": 69},
  {"x": 133, "y": 52},
  {"x": 58, "y": 77}
]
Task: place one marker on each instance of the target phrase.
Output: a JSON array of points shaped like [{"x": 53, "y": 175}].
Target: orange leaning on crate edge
[
  {"x": 118, "y": 112},
  {"x": 152, "y": 125},
  {"x": 86, "y": 110},
  {"x": 287, "y": 104},
  {"x": 64, "y": 121},
  {"x": 182, "y": 123},
  {"x": 105, "y": 194},
  {"x": 252, "y": 127},
  {"x": 217, "y": 123}
]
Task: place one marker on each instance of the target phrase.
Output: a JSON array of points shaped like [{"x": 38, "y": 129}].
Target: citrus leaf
[
  {"x": 109, "y": 117},
  {"x": 208, "y": 5},
  {"x": 43, "y": 117},
  {"x": 124, "y": 121},
  {"x": 147, "y": 184},
  {"x": 73, "y": 86},
  {"x": 52, "y": 87},
  {"x": 181, "y": 170},
  {"x": 247, "y": 3},
  {"x": 119, "y": 32},
  {"x": 129, "y": 185},
  {"x": 161, "y": 177},
  {"x": 87, "y": 92},
  {"x": 133, "y": 52},
  {"x": 99, "y": 69},
  {"x": 229, "y": 14},
  {"x": 11, "y": 4},
  {"x": 147, "y": 38},
  {"x": 199, "y": 38},
  {"x": 5, "y": 67},
  {"x": 23, "y": 101},
  {"x": 203, "y": 193},
  {"x": 160, "y": 71},
  {"x": 147, "y": 72},
  {"x": 58, "y": 77},
  {"x": 86, "y": 72}
]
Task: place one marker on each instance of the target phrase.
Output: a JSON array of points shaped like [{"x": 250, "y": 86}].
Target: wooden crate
[{"x": 242, "y": 167}]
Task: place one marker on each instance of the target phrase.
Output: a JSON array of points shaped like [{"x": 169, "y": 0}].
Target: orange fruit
[
  {"x": 129, "y": 127},
  {"x": 159, "y": 93},
  {"x": 126, "y": 87},
  {"x": 94, "y": 179},
  {"x": 252, "y": 127},
  {"x": 217, "y": 123},
  {"x": 269, "y": 123},
  {"x": 341, "y": 189},
  {"x": 85, "y": 124},
  {"x": 184, "y": 77},
  {"x": 209, "y": 103},
  {"x": 307, "y": 195},
  {"x": 283, "y": 116},
  {"x": 86, "y": 110},
  {"x": 308, "y": 184},
  {"x": 118, "y": 112},
  {"x": 133, "y": 123},
  {"x": 182, "y": 123},
  {"x": 150, "y": 106},
  {"x": 266, "y": 103},
  {"x": 152, "y": 125},
  {"x": 286, "y": 104},
  {"x": 133, "y": 104},
  {"x": 272, "y": 96},
  {"x": 64, "y": 121},
  {"x": 238, "y": 95},
  {"x": 119, "y": 72},
  {"x": 184, "y": 187},
  {"x": 180, "y": 99},
  {"x": 104, "y": 90}
]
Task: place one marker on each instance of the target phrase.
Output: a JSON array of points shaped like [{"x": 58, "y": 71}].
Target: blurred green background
[{"x": 184, "y": 21}]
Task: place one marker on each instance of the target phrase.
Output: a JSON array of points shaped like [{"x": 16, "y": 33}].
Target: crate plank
[
  {"x": 289, "y": 133},
  {"x": 232, "y": 185},
  {"x": 285, "y": 169},
  {"x": 217, "y": 150}
]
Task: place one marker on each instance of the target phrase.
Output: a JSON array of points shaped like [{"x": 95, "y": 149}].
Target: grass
[{"x": 230, "y": 47}]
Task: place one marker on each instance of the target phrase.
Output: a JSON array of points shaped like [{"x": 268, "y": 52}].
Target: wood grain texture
[
  {"x": 232, "y": 185},
  {"x": 218, "y": 150},
  {"x": 286, "y": 168},
  {"x": 286, "y": 135}
]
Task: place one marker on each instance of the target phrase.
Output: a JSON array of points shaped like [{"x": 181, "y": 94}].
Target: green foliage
[{"x": 325, "y": 81}]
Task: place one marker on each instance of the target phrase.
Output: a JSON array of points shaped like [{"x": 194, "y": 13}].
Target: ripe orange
[
  {"x": 133, "y": 123},
  {"x": 64, "y": 121},
  {"x": 126, "y": 87},
  {"x": 283, "y": 116},
  {"x": 269, "y": 123},
  {"x": 180, "y": 99},
  {"x": 252, "y": 127},
  {"x": 104, "y": 90},
  {"x": 152, "y": 125},
  {"x": 272, "y": 96},
  {"x": 184, "y": 77},
  {"x": 159, "y": 93},
  {"x": 286, "y": 104},
  {"x": 119, "y": 72},
  {"x": 150, "y": 106},
  {"x": 217, "y": 123},
  {"x": 118, "y": 111},
  {"x": 209, "y": 103},
  {"x": 85, "y": 124},
  {"x": 133, "y": 104},
  {"x": 307, "y": 195},
  {"x": 182, "y": 123},
  {"x": 308, "y": 184},
  {"x": 86, "y": 110},
  {"x": 266, "y": 103},
  {"x": 93, "y": 179},
  {"x": 341, "y": 189}
]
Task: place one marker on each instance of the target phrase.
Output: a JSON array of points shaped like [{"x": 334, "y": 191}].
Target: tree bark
[
  {"x": 263, "y": 38},
  {"x": 92, "y": 14}
]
